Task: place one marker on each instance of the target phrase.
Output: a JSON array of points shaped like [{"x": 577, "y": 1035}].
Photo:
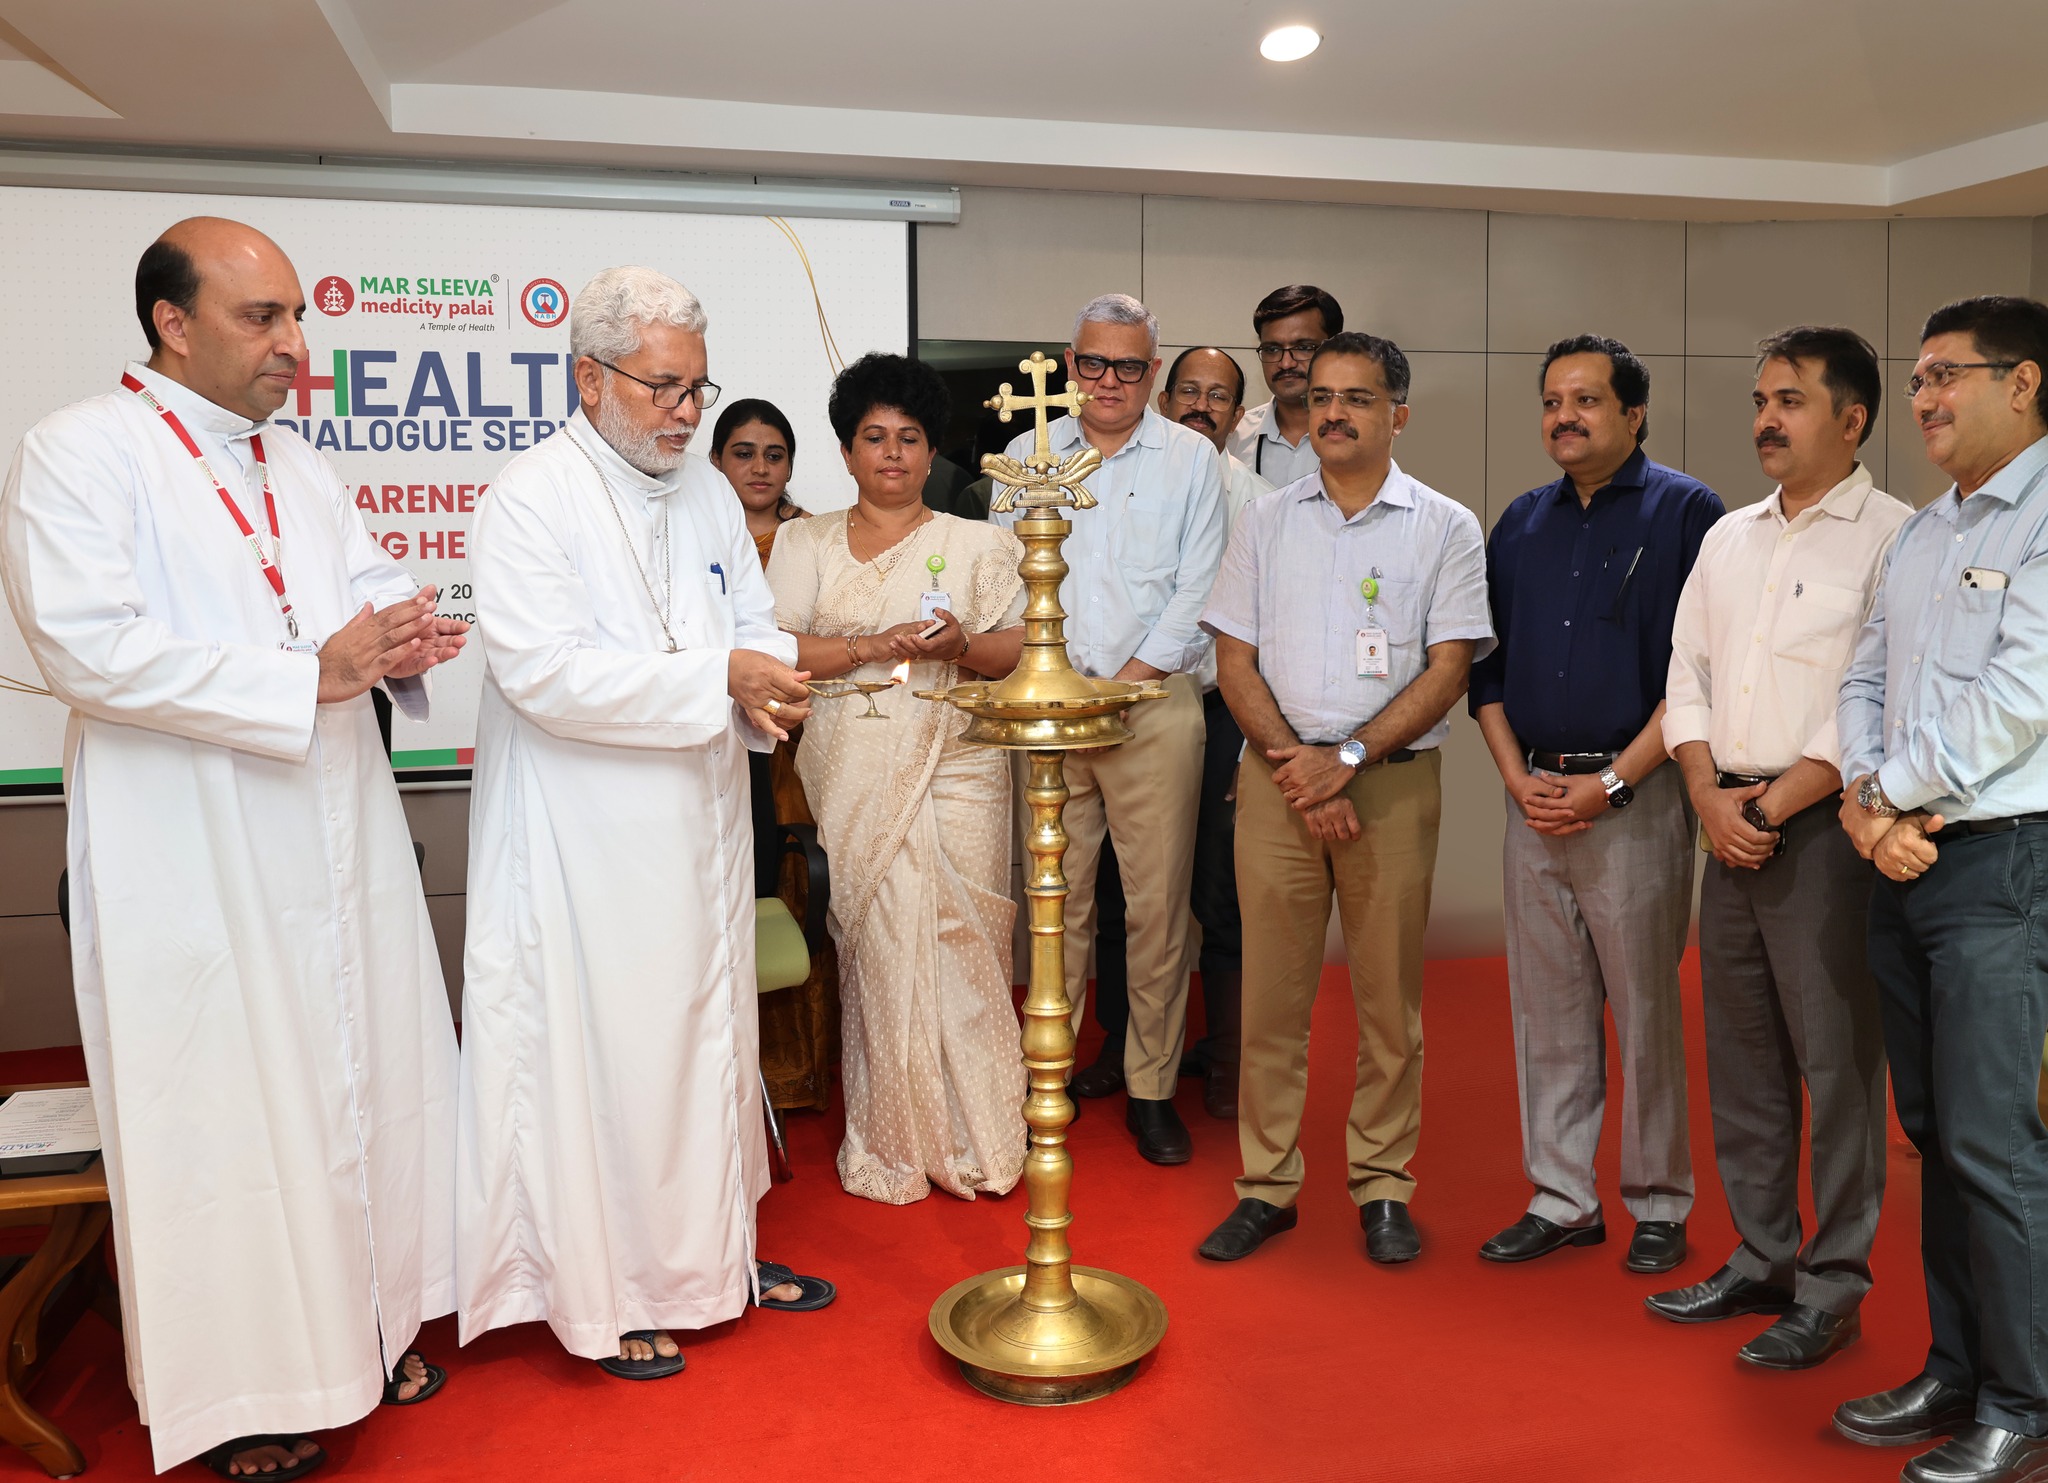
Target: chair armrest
[{"x": 802, "y": 839}]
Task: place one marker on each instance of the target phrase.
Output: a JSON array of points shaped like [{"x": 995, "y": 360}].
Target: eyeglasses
[
  {"x": 1358, "y": 401},
  {"x": 1301, "y": 350},
  {"x": 1940, "y": 373},
  {"x": 668, "y": 395},
  {"x": 1095, "y": 367},
  {"x": 1222, "y": 398}
]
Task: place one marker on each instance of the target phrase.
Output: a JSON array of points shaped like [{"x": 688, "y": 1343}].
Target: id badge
[
  {"x": 929, "y": 603},
  {"x": 1373, "y": 659},
  {"x": 299, "y": 646}
]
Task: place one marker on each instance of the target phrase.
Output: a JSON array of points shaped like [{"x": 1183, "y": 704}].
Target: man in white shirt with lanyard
[
  {"x": 1139, "y": 569},
  {"x": 1763, "y": 633},
  {"x": 265, "y": 1025},
  {"x": 1290, "y": 324}
]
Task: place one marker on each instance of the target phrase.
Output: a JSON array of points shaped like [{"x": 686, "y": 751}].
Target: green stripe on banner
[
  {"x": 40, "y": 775},
  {"x": 443, "y": 757}
]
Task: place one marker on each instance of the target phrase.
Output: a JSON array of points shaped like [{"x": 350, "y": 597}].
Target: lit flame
[{"x": 900, "y": 675}]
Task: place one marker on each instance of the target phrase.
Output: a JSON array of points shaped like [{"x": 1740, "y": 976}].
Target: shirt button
[
  {"x": 1745, "y": 689},
  {"x": 1738, "y": 746},
  {"x": 1575, "y": 574},
  {"x": 1560, "y": 674},
  {"x": 1959, "y": 539},
  {"x": 1567, "y": 623},
  {"x": 1772, "y": 588},
  {"x": 1937, "y": 597},
  {"x": 1916, "y": 658}
]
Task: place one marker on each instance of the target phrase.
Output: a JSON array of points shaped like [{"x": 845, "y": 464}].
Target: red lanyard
[{"x": 271, "y": 571}]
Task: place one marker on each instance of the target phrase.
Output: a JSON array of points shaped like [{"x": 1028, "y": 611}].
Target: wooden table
[{"x": 33, "y": 1326}]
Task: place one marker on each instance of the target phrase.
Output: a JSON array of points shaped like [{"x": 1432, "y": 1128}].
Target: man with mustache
[
  {"x": 1139, "y": 568},
  {"x": 1585, "y": 575},
  {"x": 1346, "y": 617},
  {"x": 1762, "y": 635},
  {"x": 265, "y": 1026},
  {"x": 1205, "y": 391},
  {"x": 1289, "y": 324},
  {"x": 612, "y": 1145},
  {"x": 1942, "y": 717}
]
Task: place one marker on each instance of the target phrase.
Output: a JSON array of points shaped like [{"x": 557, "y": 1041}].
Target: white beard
[{"x": 642, "y": 450}]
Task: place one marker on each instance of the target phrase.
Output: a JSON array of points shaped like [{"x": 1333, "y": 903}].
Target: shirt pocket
[
  {"x": 1146, "y": 551},
  {"x": 1397, "y": 609},
  {"x": 1818, "y": 625},
  {"x": 1968, "y": 631}
]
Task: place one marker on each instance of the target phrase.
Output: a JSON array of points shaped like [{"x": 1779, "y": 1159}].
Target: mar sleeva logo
[{"x": 332, "y": 295}]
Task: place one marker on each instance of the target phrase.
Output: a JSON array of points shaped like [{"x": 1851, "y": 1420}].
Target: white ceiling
[{"x": 1706, "y": 108}]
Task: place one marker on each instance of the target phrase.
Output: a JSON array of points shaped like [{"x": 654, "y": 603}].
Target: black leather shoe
[
  {"x": 1162, "y": 1136},
  {"x": 1981, "y": 1454},
  {"x": 1802, "y": 1339},
  {"x": 1245, "y": 1230},
  {"x": 1657, "y": 1246},
  {"x": 1390, "y": 1237},
  {"x": 1726, "y": 1294},
  {"x": 1533, "y": 1236},
  {"x": 1102, "y": 1076},
  {"x": 1918, "y": 1411}
]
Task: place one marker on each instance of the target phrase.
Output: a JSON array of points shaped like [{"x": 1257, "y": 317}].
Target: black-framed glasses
[
  {"x": 668, "y": 395},
  {"x": 1301, "y": 350},
  {"x": 1187, "y": 393},
  {"x": 1095, "y": 367},
  {"x": 1940, "y": 373},
  {"x": 1359, "y": 401}
]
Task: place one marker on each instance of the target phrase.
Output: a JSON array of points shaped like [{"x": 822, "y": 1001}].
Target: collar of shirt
[
  {"x": 1066, "y": 434},
  {"x": 1258, "y": 423},
  {"x": 1844, "y": 502},
  {"x": 616, "y": 469},
  {"x": 1397, "y": 490},
  {"x": 195, "y": 411},
  {"x": 2009, "y": 485},
  {"x": 1631, "y": 475}
]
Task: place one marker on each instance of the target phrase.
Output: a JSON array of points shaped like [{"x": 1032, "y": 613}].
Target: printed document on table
[{"x": 58, "y": 1120}]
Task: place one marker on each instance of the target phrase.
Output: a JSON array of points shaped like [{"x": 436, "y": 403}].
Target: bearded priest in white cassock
[
  {"x": 266, "y": 1030},
  {"x": 612, "y": 1143}
]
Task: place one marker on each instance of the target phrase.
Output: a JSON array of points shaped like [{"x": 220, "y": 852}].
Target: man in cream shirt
[{"x": 1763, "y": 633}]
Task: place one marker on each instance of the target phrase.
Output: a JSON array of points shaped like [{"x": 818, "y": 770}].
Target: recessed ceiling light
[{"x": 1289, "y": 43}]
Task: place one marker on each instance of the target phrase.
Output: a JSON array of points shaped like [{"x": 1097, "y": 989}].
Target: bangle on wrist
[{"x": 852, "y": 652}]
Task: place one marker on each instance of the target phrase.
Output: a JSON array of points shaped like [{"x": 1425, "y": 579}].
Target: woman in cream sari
[{"x": 916, "y": 821}]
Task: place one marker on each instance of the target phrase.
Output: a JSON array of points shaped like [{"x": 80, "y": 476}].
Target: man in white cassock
[
  {"x": 612, "y": 1145},
  {"x": 266, "y": 1030}
]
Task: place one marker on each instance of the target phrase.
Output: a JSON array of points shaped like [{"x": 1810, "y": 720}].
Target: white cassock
[
  {"x": 265, "y": 1025},
  {"x": 612, "y": 1146}
]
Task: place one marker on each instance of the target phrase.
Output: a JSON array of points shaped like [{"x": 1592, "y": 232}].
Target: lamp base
[{"x": 1048, "y": 1359}]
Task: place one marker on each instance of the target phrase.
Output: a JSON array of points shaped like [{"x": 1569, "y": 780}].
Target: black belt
[
  {"x": 1399, "y": 754},
  {"x": 1571, "y": 764},
  {"x": 1995, "y": 826},
  {"x": 1741, "y": 779}
]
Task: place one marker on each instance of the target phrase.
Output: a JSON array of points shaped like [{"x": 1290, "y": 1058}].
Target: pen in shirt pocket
[
  {"x": 719, "y": 572},
  {"x": 1621, "y": 592}
]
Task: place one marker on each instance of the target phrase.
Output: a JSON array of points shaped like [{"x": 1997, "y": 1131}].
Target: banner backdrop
[{"x": 438, "y": 348}]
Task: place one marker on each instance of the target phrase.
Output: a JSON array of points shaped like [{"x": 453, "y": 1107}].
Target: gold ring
[{"x": 774, "y": 706}]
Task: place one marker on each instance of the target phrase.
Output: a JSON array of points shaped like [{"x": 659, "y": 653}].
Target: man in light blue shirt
[
  {"x": 1941, "y": 719},
  {"x": 1139, "y": 569},
  {"x": 1347, "y": 615}
]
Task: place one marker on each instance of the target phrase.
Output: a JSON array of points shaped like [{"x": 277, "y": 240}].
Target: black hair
[
  {"x": 1298, "y": 298},
  {"x": 1173, "y": 371},
  {"x": 751, "y": 409},
  {"x": 880, "y": 380},
  {"x": 2002, "y": 327},
  {"x": 1849, "y": 367},
  {"x": 166, "y": 272},
  {"x": 1383, "y": 353},
  {"x": 1628, "y": 377}
]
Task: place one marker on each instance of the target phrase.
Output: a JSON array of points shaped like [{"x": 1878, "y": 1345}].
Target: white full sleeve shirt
[{"x": 1766, "y": 623}]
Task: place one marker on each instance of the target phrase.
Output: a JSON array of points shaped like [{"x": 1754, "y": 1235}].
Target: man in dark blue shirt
[{"x": 1585, "y": 576}]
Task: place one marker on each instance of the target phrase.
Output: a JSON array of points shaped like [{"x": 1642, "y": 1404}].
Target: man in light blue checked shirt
[
  {"x": 1347, "y": 615},
  {"x": 1941, "y": 720}
]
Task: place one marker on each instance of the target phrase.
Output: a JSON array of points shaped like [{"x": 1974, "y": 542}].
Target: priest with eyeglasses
[{"x": 612, "y": 1144}]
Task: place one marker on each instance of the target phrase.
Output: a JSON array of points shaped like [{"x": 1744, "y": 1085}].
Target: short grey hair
[
  {"x": 606, "y": 319},
  {"x": 1117, "y": 309}
]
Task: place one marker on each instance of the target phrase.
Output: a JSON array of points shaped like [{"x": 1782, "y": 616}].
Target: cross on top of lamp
[{"x": 1037, "y": 480}]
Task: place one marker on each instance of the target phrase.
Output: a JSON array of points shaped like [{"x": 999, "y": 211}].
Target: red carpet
[{"x": 1304, "y": 1362}]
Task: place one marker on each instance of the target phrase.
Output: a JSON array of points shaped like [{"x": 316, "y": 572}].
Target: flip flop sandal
[
  {"x": 436, "y": 1378},
  {"x": 817, "y": 1291},
  {"x": 221, "y": 1458},
  {"x": 659, "y": 1368}
]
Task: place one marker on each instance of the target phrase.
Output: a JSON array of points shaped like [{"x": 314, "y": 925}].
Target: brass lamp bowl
[{"x": 1040, "y": 723}]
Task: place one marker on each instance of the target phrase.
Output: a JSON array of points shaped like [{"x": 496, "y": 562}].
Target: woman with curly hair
[{"x": 916, "y": 821}]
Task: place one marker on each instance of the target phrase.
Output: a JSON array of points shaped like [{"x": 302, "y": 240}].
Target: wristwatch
[
  {"x": 1351, "y": 753},
  {"x": 1619, "y": 794},
  {"x": 1870, "y": 798},
  {"x": 1753, "y": 815}
]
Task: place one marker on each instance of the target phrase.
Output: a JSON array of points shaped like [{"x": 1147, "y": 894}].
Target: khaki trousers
[
  {"x": 1143, "y": 795},
  {"x": 1381, "y": 881}
]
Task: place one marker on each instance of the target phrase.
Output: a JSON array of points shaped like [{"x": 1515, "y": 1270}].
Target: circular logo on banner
[
  {"x": 544, "y": 302},
  {"x": 332, "y": 295}
]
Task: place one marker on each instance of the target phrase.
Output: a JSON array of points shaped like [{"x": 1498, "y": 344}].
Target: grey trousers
[
  {"x": 1597, "y": 919},
  {"x": 1789, "y": 1000}
]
